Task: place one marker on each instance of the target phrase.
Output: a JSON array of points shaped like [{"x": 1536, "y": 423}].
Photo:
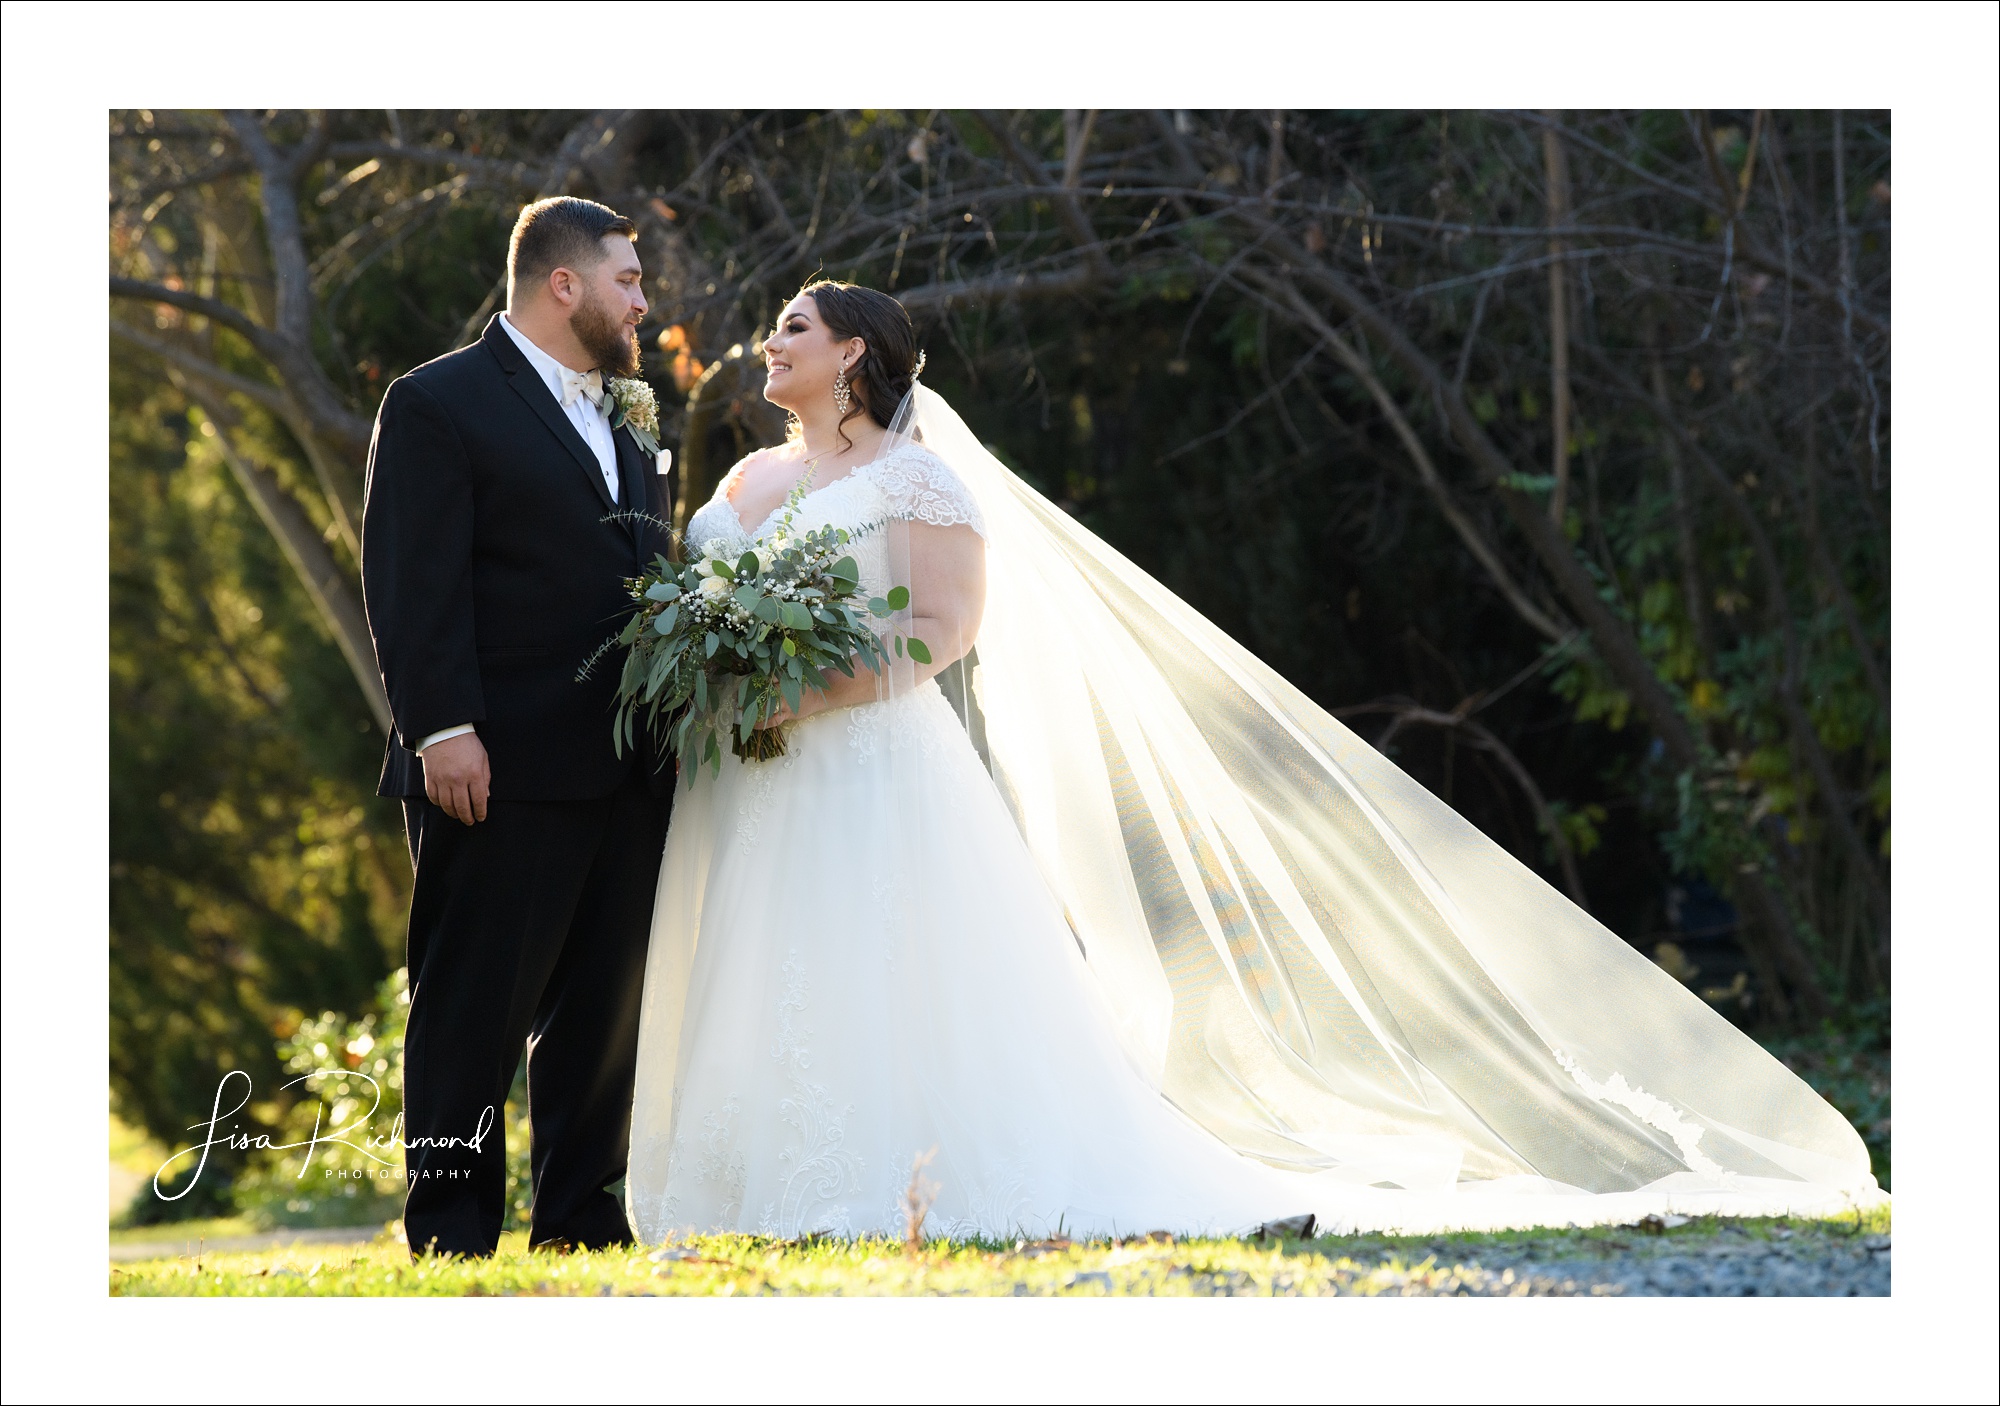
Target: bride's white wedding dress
[{"x": 1130, "y": 936}]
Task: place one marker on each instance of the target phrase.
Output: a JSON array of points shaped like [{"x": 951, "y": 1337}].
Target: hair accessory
[{"x": 918, "y": 369}]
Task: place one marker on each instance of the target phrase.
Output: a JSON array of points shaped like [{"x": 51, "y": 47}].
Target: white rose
[
  {"x": 713, "y": 585},
  {"x": 763, "y": 560}
]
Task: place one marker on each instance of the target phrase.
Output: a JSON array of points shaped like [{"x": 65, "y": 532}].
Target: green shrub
[{"x": 346, "y": 1082}]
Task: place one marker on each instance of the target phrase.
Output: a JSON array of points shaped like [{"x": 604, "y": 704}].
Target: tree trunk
[
  {"x": 316, "y": 567},
  {"x": 1556, "y": 182},
  {"x": 1613, "y": 640},
  {"x": 1684, "y": 524}
]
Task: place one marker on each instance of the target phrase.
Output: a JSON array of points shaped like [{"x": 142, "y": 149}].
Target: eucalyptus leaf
[
  {"x": 899, "y": 598},
  {"x": 723, "y": 569},
  {"x": 663, "y": 590},
  {"x": 919, "y": 651},
  {"x": 708, "y": 645},
  {"x": 746, "y": 565}
]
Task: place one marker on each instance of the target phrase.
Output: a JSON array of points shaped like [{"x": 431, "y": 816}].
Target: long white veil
[{"x": 1307, "y": 952}]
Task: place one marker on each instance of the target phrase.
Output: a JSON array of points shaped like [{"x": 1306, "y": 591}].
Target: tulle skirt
[{"x": 860, "y": 990}]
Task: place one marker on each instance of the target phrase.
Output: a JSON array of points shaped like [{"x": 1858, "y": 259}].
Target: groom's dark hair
[{"x": 562, "y": 232}]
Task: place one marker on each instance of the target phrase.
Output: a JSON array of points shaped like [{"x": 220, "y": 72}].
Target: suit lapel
[{"x": 529, "y": 385}]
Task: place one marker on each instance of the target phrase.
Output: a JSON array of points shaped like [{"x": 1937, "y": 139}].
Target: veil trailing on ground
[{"x": 1304, "y": 950}]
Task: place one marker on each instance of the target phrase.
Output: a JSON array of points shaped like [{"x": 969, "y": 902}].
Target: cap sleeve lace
[{"x": 920, "y": 487}]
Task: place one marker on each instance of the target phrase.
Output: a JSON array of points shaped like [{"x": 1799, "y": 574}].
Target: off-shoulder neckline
[{"x": 729, "y": 504}]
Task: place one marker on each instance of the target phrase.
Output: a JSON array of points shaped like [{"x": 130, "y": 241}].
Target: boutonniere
[{"x": 633, "y": 406}]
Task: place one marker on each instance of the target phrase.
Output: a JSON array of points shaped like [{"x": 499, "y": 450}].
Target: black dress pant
[{"x": 528, "y": 927}]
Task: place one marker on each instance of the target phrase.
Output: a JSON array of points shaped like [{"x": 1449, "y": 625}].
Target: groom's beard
[{"x": 613, "y": 343}]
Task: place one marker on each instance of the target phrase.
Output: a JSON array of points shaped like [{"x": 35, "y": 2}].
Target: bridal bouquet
[{"x": 727, "y": 643}]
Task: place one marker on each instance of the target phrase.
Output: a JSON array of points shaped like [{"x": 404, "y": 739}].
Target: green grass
[{"x": 725, "y": 1265}]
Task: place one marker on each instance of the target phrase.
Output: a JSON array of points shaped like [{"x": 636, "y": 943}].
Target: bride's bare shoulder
[
  {"x": 771, "y": 455},
  {"x": 785, "y": 453}
]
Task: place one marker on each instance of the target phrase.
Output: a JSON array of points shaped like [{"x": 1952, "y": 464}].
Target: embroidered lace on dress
[
  {"x": 920, "y": 487},
  {"x": 915, "y": 485}
]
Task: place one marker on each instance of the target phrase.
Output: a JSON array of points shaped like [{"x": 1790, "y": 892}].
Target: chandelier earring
[{"x": 843, "y": 398}]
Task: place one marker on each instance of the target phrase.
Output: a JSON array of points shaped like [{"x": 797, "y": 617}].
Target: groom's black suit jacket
[{"x": 490, "y": 574}]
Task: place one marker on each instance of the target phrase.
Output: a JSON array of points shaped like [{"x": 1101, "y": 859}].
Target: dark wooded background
[{"x": 1551, "y": 450}]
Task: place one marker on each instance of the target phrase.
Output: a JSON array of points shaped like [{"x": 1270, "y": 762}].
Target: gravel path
[
  {"x": 1726, "y": 1262},
  {"x": 1671, "y": 1257},
  {"x": 132, "y": 1251}
]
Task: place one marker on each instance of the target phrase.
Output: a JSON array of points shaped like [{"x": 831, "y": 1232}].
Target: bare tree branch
[
  {"x": 1612, "y": 639},
  {"x": 1060, "y": 283},
  {"x": 1805, "y": 734},
  {"x": 1068, "y": 208},
  {"x": 269, "y": 397},
  {"x": 321, "y": 575},
  {"x": 277, "y": 172},
  {"x": 1483, "y": 737},
  {"x": 1475, "y": 542},
  {"x": 235, "y": 320},
  {"x": 508, "y": 176},
  {"x": 350, "y": 431}
]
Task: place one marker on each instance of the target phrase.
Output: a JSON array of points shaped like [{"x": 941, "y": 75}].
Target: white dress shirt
[{"x": 580, "y": 394}]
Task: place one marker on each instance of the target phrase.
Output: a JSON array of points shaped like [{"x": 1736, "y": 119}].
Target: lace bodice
[{"x": 909, "y": 483}]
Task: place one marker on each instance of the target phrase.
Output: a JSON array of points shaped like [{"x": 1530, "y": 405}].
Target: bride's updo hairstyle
[{"x": 887, "y": 367}]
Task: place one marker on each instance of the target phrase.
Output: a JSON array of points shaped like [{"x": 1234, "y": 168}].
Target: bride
[{"x": 1096, "y": 925}]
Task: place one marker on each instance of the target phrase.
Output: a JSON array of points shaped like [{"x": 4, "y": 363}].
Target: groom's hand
[{"x": 457, "y": 777}]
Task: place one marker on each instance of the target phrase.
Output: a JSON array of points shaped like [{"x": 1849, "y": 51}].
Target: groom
[{"x": 492, "y": 566}]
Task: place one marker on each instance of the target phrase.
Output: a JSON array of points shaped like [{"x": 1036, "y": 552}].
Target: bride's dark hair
[{"x": 887, "y": 367}]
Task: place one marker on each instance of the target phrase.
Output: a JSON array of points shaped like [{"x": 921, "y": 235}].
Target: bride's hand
[{"x": 808, "y": 705}]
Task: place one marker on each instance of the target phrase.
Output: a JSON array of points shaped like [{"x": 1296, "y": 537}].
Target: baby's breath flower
[{"x": 635, "y": 398}]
